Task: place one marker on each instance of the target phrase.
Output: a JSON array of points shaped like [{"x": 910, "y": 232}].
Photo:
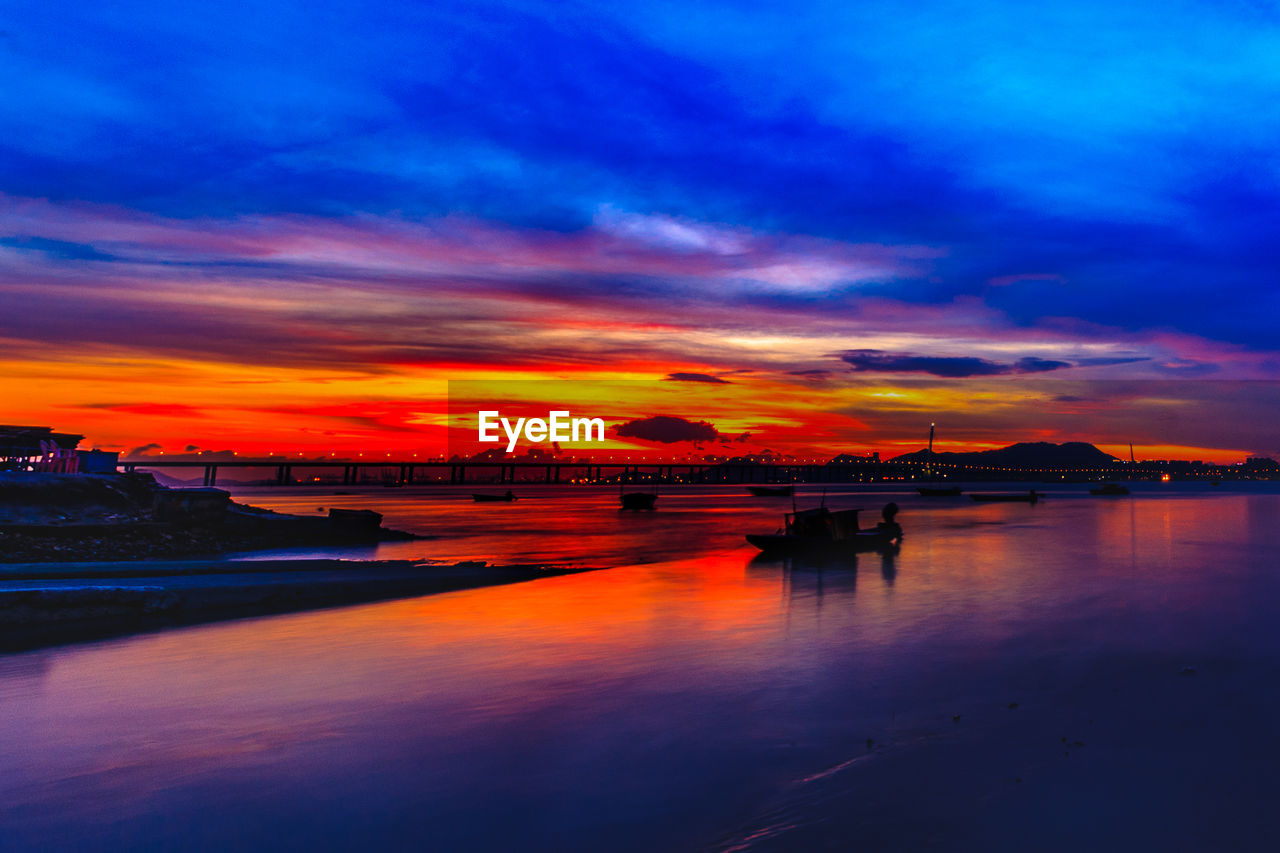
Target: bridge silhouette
[{"x": 410, "y": 472}]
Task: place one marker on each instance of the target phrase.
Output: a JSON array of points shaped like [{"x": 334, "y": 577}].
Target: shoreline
[
  {"x": 43, "y": 604},
  {"x": 92, "y": 556},
  {"x": 60, "y": 518}
]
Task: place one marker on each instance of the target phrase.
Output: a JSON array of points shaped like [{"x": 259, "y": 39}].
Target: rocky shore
[
  {"x": 85, "y": 556},
  {"x": 63, "y": 517}
]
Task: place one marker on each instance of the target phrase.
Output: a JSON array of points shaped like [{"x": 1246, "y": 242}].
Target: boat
[
  {"x": 1110, "y": 489},
  {"x": 772, "y": 491},
  {"x": 819, "y": 531},
  {"x": 482, "y": 498},
  {"x": 1017, "y": 497},
  {"x": 638, "y": 500}
]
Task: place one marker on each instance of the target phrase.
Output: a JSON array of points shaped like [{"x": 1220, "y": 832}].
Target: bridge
[{"x": 404, "y": 473}]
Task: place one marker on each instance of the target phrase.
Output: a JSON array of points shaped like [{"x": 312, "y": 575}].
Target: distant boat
[
  {"x": 638, "y": 500},
  {"x": 1018, "y": 497},
  {"x": 1110, "y": 489},
  {"x": 939, "y": 491},
  {"x": 772, "y": 491},
  {"x": 818, "y": 531},
  {"x": 505, "y": 498}
]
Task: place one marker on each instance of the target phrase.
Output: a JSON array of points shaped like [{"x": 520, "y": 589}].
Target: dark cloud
[
  {"x": 60, "y": 249},
  {"x": 696, "y": 377},
  {"x": 144, "y": 450},
  {"x": 1104, "y": 361},
  {"x": 668, "y": 430},
  {"x": 949, "y": 367},
  {"x": 1037, "y": 365}
]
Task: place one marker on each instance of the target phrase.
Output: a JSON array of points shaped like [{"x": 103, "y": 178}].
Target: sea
[{"x": 1085, "y": 673}]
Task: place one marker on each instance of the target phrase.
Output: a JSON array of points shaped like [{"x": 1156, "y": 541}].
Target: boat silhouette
[
  {"x": 483, "y": 498},
  {"x": 638, "y": 500},
  {"x": 772, "y": 491},
  {"x": 820, "y": 530},
  {"x": 1017, "y": 497}
]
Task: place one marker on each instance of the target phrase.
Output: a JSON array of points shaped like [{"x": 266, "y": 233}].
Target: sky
[{"x": 286, "y": 227}]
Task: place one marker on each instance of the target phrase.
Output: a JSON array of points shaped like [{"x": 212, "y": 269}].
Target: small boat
[
  {"x": 772, "y": 491},
  {"x": 505, "y": 498},
  {"x": 638, "y": 500},
  {"x": 819, "y": 531},
  {"x": 1110, "y": 489},
  {"x": 1018, "y": 497}
]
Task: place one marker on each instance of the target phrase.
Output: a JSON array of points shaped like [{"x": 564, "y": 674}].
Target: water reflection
[
  {"x": 889, "y": 566},
  {"x": 23, "y": 675}
]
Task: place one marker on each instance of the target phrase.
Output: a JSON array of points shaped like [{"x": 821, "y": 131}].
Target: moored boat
[
  {"x": 1017, "y": 497},
  {"x": 817, "y": 531},
  {"x": 772, "y": 491},
  {"x": 638, "y": 500},
  {"x": 483, "y": 498}
]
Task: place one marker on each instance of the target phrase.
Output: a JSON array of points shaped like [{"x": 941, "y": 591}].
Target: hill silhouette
[{"x": 1027, "y": 454}]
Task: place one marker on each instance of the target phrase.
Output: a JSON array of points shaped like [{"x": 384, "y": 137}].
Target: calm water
[{"x": 692, "y": 697}]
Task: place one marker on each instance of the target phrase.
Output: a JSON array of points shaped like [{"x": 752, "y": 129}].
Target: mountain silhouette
[{"x": 1027, "y": 454}]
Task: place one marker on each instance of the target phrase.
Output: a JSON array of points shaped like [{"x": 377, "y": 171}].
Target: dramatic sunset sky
[{"x": 284, "y": 227}]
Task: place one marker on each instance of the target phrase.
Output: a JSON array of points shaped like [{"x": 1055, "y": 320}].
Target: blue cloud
[
  {"x": 59, "y": 249},
  {"x": 951, "y": 367},
  {"x": 1122, "y": 149}
]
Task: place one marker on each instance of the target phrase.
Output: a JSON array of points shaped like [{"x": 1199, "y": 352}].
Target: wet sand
[{"x": 44, "y": 603}]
